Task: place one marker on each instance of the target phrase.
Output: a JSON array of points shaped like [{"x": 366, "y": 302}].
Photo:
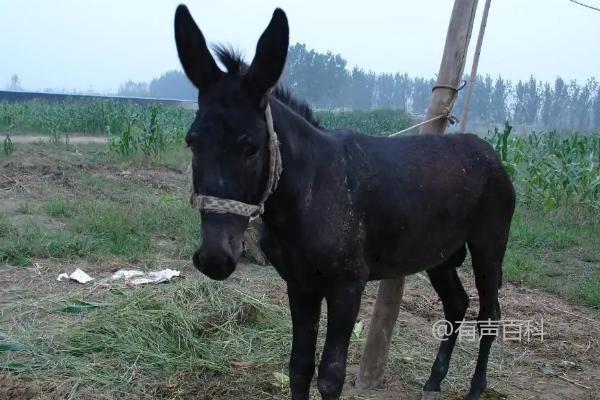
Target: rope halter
[{"x": 227, "y": 206}]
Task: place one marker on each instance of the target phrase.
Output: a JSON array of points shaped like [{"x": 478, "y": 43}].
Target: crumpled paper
[
  {"x": 130, "y": 276},
  {"x": 136, "y": 277},
  {"x": 78, "y": 276}
]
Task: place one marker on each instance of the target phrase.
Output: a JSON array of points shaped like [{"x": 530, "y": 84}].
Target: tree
[
  {"x": 15, "y": 83},
  {"x": 298, "y": 72},
  {"x": 596, "y": 109},
  {"x": 402, "y": 90},
  {"x": 499, "y": 97},
  {"x": 482, "y": 98},
  {"x": 532, "y": 101},
  {"x": 324, "y": 81},
  {"x": 361, "y": 93},
  {"x": 527, "y": 102},
  {"x": 519, "y": 113},
  {"x": 420, "y": 95},
  {"x": 319, "y": 78},
  {"x": 581, "y": 104},
  {"x": 134, "y": 89},
  {"x": 547, "y": 99},
  {"x": 173, "y": 85},
  {"x": 560, "y": 104},
  {"x": 385, "y": 90}
]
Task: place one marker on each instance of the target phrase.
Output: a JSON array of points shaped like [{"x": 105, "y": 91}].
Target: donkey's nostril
[
  {"x": 216, "y": 265},
  {"x": 210, "y": 261}
]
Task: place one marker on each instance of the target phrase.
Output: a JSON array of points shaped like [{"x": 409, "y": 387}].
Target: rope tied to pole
[
  {"x": 447, "y": 114},
  {"x": 450, "y": 87}
]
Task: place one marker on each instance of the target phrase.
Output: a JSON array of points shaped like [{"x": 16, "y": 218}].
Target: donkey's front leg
[
  {"x": 343, "y": 303},
  {"x": 306, "y": 309}
]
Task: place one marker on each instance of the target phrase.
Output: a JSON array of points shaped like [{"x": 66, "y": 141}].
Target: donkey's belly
[{"x": 400, "y": 250}]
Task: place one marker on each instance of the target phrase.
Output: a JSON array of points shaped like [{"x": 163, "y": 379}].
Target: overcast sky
[{"x": 99, "y": 44}]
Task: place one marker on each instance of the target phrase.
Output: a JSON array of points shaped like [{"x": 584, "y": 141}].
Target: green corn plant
[
  {"x": 124, "y": 144},
  {"x": 8, "y": 146}
]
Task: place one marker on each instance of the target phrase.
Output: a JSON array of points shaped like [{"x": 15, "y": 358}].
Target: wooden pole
[
  {"x": 453, "y": 63},
  {"x": 472, "y": 78},
  {"x": 387, "y": 305},
  {"x": 381, "y": 329}
]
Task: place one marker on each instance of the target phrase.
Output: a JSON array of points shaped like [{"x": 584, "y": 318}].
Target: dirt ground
[
  {"x": 565, "y": 365},
  {"x": 562, "y": 366},
  {"x": 73, "y": 139}
]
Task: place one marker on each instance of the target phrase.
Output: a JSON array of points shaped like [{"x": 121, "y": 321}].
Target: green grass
[
  {"x": 18, "y": 244},
  {"x": 21, "y": 244},
  {"x": 25, "y": 208},
  {"x": 590, "y": 290},
  {"x": 116, "y": 226},
  {"x": 201, "y": 334},
  {"x": 558, "y": 251},
  {"x": 129, "y": 227},
  {"x": 60, "y": 208},
  {"x": 6, "y": 228}
]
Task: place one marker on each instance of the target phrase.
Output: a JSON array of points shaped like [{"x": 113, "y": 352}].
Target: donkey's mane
[{"x": 233, "y": 61}]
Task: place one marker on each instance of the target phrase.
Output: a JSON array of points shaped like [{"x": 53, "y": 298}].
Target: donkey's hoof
[{"x": 431, "y": 395}]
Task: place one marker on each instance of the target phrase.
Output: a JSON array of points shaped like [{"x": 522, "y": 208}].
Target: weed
[
  {"x": 60, "y": 208},
  {"x": 8, "y": 146},
  {"x": 26, "y": 208}
]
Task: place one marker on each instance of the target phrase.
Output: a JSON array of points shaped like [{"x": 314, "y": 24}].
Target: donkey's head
[{"x": 229, "y": 137}]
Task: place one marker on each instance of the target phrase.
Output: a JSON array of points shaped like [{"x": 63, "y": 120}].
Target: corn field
[
  {"x": 376, "y": 122},
  {"x": 552, "y": 170},
  {"x": 132, "y": 127},
  {"x": 549, "y": 169}
]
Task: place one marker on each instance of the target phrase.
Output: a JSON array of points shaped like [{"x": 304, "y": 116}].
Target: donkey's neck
[{"x": 300, "y": 142}]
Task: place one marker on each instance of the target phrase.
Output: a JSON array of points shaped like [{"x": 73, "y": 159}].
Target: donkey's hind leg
[
  {"x": 487, "y": 253},
  {"x": 455, "y": 301}
]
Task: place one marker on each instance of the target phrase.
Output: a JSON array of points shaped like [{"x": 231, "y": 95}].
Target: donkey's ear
[
  {"x": 271, "y": 52},
  {"x": 198, "y": 64}
]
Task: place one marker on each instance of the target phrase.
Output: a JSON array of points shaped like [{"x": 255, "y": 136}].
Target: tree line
[{"x": 326, "y": 82}]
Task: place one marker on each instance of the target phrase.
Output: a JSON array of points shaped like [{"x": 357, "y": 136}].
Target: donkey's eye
[{"x": 250, "y": 150}]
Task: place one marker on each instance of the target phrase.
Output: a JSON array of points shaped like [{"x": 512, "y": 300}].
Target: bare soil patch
[
  {"x": 73, "y": 139},
  {"x": 32, "y": 173}
]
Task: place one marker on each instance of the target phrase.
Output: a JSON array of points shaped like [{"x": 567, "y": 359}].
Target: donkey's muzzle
[
  {"x": 221, "y": 245},
  {"x": 216, "y": 264},
  {"x": 220, "y": 250}
]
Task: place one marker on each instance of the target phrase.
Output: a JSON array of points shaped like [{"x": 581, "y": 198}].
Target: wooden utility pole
[
  {"x": 381, "y": 329},
  {"x": 387, "y": 305},
  {"x": 472, "y": 78}
]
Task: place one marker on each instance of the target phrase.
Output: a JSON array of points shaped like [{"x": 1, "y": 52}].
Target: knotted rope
[
  {"x": 447, "y": 114},
  {"x": 224, "y": 206}
]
